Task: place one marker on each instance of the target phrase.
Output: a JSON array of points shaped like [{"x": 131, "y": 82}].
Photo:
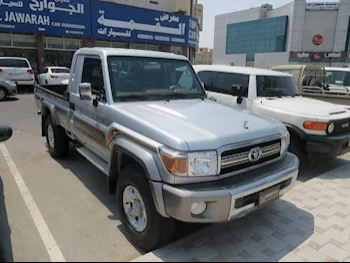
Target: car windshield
[
  {"x": 276, "y": 86},
  {"x": 341, "y": 78},
  {"x": 135, "y": 78},
  {"x": 13, "y": 63},
  {"x": 60, "y": 70}
]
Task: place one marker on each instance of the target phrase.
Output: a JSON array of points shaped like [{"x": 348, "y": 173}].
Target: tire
[
  {"x": 158, "y": 230},
  {"x": 3, "y": 94},
  {"x": 60, "y": 146}
]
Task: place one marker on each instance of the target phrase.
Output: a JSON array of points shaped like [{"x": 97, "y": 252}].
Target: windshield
[
  {"x": 60, "y": 70},
  {"x": 135, "y": 78},
  {"x": 13, "y": 63},
  {"x": 341, "y": 78},
  {"x": 275, "y": 86}
]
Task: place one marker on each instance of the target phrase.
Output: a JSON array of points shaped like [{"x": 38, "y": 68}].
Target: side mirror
[
  {"x": 85, "y": 91},
  {"x": 5, "y": 133},
  {"x": 239, "y": 92}
]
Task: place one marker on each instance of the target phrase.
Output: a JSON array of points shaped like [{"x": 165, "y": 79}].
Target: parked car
[
  {"x": 7, "y": 88},
  {"x": 168, "y": 152},
  {"x": 53, "y": 75},
  {"x": 318, "y": 129},
  {"x": 17, "y": 70},
  {"x": 338, "y": 79},
  {"x": 5, "y": 133},
  {"x": 313, "y": 83}
]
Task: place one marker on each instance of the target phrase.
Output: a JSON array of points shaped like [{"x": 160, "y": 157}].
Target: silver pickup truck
[{"x": 170, "y": 153}]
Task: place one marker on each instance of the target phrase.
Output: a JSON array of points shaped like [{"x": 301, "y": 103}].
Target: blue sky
[{"x": 218, "y": 7}]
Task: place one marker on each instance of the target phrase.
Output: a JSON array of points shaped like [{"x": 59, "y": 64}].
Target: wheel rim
[
  {"x": 50, "y": 136},
  {"x": 2, "y": 94},
  {"x": 134, "y": 209}
]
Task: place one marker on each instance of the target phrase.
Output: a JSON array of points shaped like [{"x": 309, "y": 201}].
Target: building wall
[
  {"x": 220, "y": 32},
  {"x": 319, "y": 22},
  {"x": 342, "y": 26},
  {"x": 268, "y": 60}
]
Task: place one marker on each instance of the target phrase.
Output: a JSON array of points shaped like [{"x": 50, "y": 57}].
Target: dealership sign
[
  {"x": 322, "y": 6},
  {"x": 55, "y": 17},
  {"x": 317, "y": 40},
  {"x": 126, "y": 23},
  {"x": 319, "y": 57}
]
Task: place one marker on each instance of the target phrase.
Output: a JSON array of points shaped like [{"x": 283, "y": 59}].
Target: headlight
[
  {"x": 285, "y": 142},
  {"x": 190, "y": 164},
  {"x": 331, "y": 128}
]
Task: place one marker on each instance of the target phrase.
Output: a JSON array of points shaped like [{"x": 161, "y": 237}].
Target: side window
[
  {"x": 45, "y": 70},
  {"x": 224, "y": 83},
  {"x": 206, "y": 77},
  {"x": 92, "y": 73}
]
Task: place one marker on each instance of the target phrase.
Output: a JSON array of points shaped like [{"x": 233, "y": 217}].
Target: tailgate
[{"x": 16, "y": 74}]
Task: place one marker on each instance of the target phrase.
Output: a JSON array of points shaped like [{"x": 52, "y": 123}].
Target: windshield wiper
[
  {"x": 134, "y": 97},
  {"x": 176, "y": 95}
]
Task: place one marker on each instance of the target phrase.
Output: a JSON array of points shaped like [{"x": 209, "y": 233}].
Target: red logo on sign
[
  {"x": 317, "y": 40},
  {"x": 317, "y": 56}
]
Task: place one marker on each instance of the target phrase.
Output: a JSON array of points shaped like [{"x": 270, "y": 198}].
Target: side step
[{"x": 94, "y": 159}]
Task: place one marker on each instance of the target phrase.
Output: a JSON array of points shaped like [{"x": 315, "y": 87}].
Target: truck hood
[
  {"x": 198, "y": 125},
  {"x": 302, "y": 106}
]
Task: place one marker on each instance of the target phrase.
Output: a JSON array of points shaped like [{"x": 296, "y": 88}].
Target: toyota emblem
[{"x": 255, "y": 154}]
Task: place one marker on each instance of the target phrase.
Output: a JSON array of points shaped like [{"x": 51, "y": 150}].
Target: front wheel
[
  {"x": 145, "y": 227},
  {"x": 56, "y": 138},
  {"x": 3, "y": 94}
]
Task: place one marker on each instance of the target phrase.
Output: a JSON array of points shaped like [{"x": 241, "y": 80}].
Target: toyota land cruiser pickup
[
  {"x": 170, "y": 153},
  {"x": 318, "y": 129}
]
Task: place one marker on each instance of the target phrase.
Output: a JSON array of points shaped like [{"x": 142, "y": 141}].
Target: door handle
[{"x": 213, "y": 99}]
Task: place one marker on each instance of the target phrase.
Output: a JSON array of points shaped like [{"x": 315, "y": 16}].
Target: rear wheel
[
  {"x": 145, "y": 227},
  {"x": 3, "y": 94},
  {"x": 56, "y": 138}
]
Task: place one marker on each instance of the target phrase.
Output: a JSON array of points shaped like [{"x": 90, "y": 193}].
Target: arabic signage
[
  {"x": 55, "y": 17},
  {"x": 319, "y": 57},
  {"x": 322, "y": 6},
  {"x": 132, "y": 24},
  {"x": 317, "y": 40}
]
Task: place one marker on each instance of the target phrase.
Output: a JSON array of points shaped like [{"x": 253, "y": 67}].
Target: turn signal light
[
  {"x": 316, "y": 126},
  {"x": 1, "y": 70},
  {"x": 175, "y": 164},
  {"x": 30, "y": 71}
]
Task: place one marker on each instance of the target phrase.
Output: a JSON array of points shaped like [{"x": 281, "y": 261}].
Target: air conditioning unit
[{"x": 181, "y": 6}]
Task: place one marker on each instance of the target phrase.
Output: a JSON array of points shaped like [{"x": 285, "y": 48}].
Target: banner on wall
[
  {"x": 55, "y": 17},
  {"x": 319, "y": 57},
  {"x": 126, "y": 23}
]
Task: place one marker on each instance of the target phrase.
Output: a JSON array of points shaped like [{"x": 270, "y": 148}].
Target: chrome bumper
[{"x": 227, "y": 199}]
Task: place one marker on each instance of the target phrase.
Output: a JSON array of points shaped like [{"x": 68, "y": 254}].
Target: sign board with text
[
  {"x": 322, "y": 6},
  {"x": 319, "y": 57},
  {"x": 48, "y": 17},
  {"x": 132, "y": 24}
]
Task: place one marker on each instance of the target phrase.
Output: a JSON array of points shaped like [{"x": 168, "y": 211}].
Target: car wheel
[
  {"x": 3, "y": 94},
  {"x": 56, "y": 138},
  {"x": 145, "y": 227}
]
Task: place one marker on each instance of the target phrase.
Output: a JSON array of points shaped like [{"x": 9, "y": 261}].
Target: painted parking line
[{"x": 51, "y": 246}]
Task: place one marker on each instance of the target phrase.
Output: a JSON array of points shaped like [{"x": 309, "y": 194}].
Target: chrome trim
[{"x": 246, "y": 144}]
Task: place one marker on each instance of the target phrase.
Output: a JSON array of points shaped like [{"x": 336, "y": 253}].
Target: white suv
[{"x": 18, "y": 70}]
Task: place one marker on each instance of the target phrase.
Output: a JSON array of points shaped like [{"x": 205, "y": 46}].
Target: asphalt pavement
[{"x": 53, "y": 209}]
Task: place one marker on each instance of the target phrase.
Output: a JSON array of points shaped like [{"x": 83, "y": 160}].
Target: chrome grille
[{"x": 238, "y": 159}]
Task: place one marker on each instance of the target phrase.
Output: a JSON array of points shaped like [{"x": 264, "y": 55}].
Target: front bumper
[
  {"x": 327, "y": 146},
  {"x": 227, "y": 199}
]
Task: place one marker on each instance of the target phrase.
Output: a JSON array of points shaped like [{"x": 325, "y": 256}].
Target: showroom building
[
  {"x": 297, "y": 33},
  {"x": 48, "y": 32}
]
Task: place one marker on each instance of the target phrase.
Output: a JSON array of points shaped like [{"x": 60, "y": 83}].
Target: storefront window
[
  {"x": 5, "y": 40},
  {"x": 120, "y": 45},
  {"x": 103, "y": 44},
  {"x": 73, "y": 44},
  {"x": 30, "y": 54},
  {"x": 54, "y": 43},
  {"x": 177, "y": 50},
  {"x": 60, "y": 59},
  {"x": 23, "y": 41},
  {"x": 140, "y": 46}
]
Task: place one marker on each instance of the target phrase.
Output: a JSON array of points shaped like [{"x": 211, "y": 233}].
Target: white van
[{"x": 318, "y": 129}]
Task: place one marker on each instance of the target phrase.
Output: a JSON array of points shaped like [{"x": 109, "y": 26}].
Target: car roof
[
  {"x": 18, "y": 58},
  {"x": 129, "y": 53},
  {"x": 338, "y": 69},
  {"x": 241, "y": 70}
]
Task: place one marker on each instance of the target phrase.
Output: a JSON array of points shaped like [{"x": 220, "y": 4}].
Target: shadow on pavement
[
  {"x": 5, "y": 231},
  {"x": 10, "y": 99},
  {"x": 266, "y": 235}
]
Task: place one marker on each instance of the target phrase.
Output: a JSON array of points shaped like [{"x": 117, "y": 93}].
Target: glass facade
[{"x": 259, "y": 36}]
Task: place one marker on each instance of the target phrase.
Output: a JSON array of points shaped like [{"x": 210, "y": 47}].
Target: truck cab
[
  {"x": 169, "y": 153},
  {"x": 318, "y": 129}
]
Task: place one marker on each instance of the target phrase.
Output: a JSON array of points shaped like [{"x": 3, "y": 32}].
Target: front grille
[
  {"x": 238, "y": 159},
  {"x": 341, "y": 127}
]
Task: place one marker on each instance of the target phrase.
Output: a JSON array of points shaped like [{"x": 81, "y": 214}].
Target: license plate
[{"x": 268, "y": 196}]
